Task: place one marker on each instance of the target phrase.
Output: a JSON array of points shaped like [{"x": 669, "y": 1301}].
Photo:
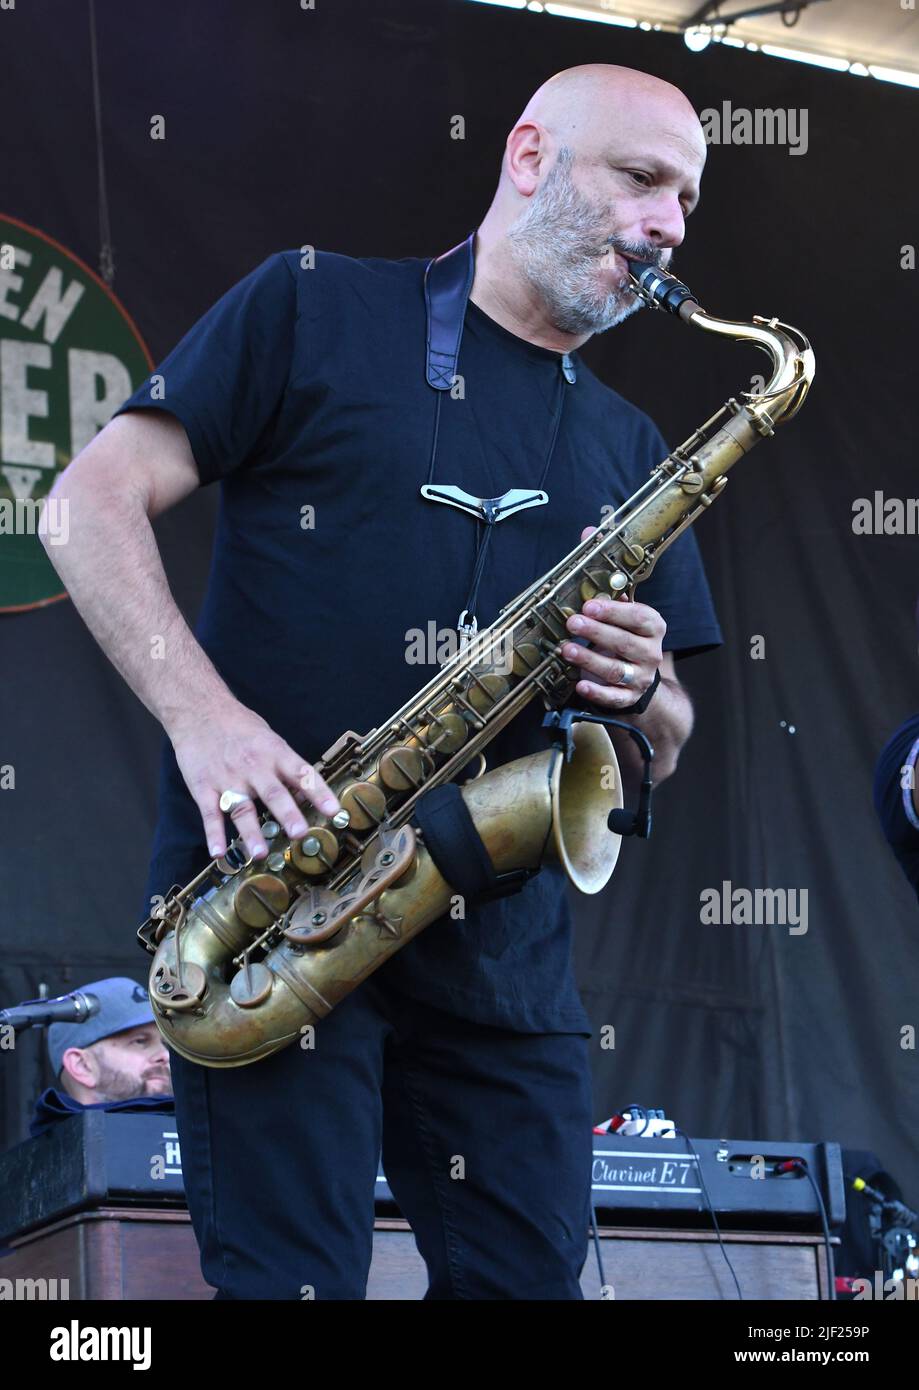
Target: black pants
[{"x": 486, "y": 1143}]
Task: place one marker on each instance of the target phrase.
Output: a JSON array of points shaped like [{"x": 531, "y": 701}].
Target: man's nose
[{"x": 666, "y": 226}]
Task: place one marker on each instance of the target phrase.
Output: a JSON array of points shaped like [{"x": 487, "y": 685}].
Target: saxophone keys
[
  {"x": 402, "y": 768},
  {"x": 251, "y": 985},
  {"x": 316, "y": 852},
  {"x": 485, "y": 691},
  {"x": 260, "y": 900},
  {"x": 446, "y": 733},
  {"x": 365, "y": 803},
  {"x": 236, "y": 858},
  {"x": 526, "y": 658},
  {"x": 317, "y": 916},
  {"x": 718, "y": 486},
  {"x": 392, "y": 849},
  {"x": 594, "y": 582},
  {"x": 632, "y": 557},
  {"x": 178, "y": 991}
]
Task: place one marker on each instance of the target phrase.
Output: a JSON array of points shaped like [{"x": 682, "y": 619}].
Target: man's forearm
[
  {"x": 112, "y": 569},
  {"x": 140, "y": 464}
]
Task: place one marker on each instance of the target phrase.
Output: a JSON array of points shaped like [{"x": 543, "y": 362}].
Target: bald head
[
  {"x": 604, "y": 163},
  {"x": 585, "y": 104}
]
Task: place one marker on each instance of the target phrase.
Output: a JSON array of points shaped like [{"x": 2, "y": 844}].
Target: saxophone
[{"x": 250, "y": 955}]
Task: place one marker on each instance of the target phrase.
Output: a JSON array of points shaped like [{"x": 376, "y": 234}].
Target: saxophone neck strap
[
  {"x": 447, "y": 286},
  {"x": 447, "y": 283}
]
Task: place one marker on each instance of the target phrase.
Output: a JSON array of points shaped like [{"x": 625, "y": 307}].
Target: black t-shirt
[
  {"x": 893, "y": 797},
  {"x": 303, "y": 390}
]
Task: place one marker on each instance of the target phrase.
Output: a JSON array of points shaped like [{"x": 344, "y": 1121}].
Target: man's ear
[
  {"x": 77, "y": 1066},
  {"x": 524, "y": 153}
]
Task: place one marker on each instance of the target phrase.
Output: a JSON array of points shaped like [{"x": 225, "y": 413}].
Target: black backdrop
[{"x": 332, "y": 127}]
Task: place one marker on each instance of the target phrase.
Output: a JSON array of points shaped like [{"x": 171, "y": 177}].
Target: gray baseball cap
[{"x": 123, "y": 1004}]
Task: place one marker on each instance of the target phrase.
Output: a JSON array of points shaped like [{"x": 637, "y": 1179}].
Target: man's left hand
[{"x": 620, "y": 632}]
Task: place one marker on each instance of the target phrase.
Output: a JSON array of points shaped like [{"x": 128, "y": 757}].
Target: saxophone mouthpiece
[{"x": 659, "y": 290}]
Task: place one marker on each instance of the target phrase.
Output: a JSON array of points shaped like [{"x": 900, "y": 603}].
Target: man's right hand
[{"x": 231, "y": 748}]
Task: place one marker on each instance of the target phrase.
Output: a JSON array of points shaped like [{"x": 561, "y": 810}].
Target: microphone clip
[{"x": 559, "y": 723}]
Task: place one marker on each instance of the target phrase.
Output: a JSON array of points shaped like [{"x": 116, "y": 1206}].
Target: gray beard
[
  {"x": 556, "y": 245},
  {"x": 118, "y": 1085}
]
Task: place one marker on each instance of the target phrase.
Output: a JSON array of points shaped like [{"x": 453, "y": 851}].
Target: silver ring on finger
[
  {"x": 229, "y": 801},
  {"x": 628, "y": 674}
]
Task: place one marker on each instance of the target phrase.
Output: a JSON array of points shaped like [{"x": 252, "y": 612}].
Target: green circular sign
[{"x": 70, "y": 355}]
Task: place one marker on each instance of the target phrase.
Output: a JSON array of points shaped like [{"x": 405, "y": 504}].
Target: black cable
[
  {"x": 484, "y": 536},
  {"x": 802, "y": 1166},
  {"x": 593, "y": 1228},
  {"x": 620, "y": 821},
  {"x": 593, "y": 1211},
  {"x": 434, "y": 437},
  {"x": 559, "y": 412},
  {"x": 637, "y": 1112},
  {"x": 711, "y": 1211},
  {"x": 483, "y": 539}
]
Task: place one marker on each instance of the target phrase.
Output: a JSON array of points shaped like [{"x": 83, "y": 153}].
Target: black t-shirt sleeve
[
  {"x": 225, "y": 380},
  {"x": 893, "y": 800},
  {"x": 677, "y": 586}
]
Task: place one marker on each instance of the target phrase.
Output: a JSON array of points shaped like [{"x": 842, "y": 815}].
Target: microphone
[
  {"x": 890, "y": 1204},
  {"x": 66, "y": 1008},
  {"x": 621, "y": 821}
]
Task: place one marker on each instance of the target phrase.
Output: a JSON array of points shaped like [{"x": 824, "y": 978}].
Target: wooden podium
[
  {"x": 113, "y": 1253},
  {"x": 645, "y": 1265},
  {"x": 148, "y": 1253}
]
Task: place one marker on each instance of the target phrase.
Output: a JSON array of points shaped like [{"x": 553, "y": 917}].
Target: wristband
[{"x": 641, "y": 705}]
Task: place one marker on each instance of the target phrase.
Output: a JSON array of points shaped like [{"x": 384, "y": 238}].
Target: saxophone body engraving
[{"x": 250, "y": 953}]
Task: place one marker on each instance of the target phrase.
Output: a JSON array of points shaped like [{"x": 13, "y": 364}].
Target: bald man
[{"x": 315, "y": 395}]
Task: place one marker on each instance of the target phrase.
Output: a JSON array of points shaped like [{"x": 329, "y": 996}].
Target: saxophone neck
[
  {"x": 790, "y": 352},
  {"x": 793, "y": 366}
]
